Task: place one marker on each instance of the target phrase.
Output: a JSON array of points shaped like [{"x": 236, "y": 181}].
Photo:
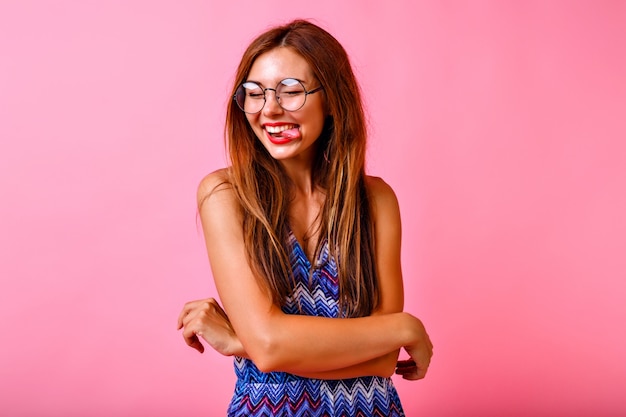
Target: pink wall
[{"x": 499, "y": 124}]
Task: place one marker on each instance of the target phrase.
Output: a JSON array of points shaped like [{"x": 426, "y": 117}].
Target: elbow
[
  {"x": 266, "y": 344},
  {"x": 264, "y": 353},
  {"x": 264, "y": 364}
]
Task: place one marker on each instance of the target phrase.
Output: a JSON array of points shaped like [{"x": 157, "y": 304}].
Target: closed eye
[{"x": 291, "y": 93}]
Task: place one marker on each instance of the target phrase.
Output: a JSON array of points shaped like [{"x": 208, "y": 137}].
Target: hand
[
  {"x": 206, "y": 319},
  {"x": 415, "y": 368},
  {"x": 407, "y": 368}
]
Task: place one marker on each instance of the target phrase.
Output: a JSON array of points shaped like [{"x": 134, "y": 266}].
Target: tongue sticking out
[{"x": 291, "y": 133}]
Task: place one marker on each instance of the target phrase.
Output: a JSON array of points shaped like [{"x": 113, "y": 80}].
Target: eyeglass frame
[{"x": 306, "y": 94}]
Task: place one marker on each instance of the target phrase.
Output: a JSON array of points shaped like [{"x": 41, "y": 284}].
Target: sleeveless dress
[{"x": 281, "y": 394}]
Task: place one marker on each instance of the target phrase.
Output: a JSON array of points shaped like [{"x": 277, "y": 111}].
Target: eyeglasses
[{"x": 290, "y": 94}]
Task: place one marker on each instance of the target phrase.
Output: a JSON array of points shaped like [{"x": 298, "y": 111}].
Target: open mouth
[
  {"x": 279, "y": 129},
  {"x": 288, "y": 131}
]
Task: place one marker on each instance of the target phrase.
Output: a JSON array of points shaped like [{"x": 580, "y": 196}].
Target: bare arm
[
  {"x": 299, "y": 344},
  {"x": 388, "y": 236}
]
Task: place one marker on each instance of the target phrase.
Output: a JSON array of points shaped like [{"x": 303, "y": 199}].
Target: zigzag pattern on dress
[{"x": 259, "y": 394}]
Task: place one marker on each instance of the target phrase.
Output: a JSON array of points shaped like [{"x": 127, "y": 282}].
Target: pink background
[{"x": 500, "y": 124}]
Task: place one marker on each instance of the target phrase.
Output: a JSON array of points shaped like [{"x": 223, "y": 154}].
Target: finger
[
  {"x": 197, "y": 320},
  {"x": 190, "y": 306},
  {"x": 408, "y": 373},
  {"x": 186, "y": 309},
  {"x": 192, "y": 340},
  {"x": 206, "y": 311},
  {"x": 191, "y": 316},
  {"x": 195, "y": 343},
  {"x": 179, "y": 321},
  {"x": 406, "y": 369},
  {"x": 405, "y": 363},
  {"x": 422, "y": 362}
]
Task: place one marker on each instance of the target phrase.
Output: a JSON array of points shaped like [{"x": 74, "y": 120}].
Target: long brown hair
[{"x": 264, "y": 190}]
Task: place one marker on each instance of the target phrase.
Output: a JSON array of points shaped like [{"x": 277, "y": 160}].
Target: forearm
[
  {"x": 315, "y": 345},
  {"x": 383, "y": 366}
]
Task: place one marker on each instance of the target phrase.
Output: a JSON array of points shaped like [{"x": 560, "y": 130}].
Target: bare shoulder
[
  {"x": 216, "y": 182},
  {"x": 217, "y": 202},
  {"x": 383, "y": 198}
]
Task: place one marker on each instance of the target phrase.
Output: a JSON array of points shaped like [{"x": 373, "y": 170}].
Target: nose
[{"x": 271, "y": 103}]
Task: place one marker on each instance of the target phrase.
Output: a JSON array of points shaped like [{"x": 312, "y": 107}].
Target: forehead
[{"x": 279, "y": 63}]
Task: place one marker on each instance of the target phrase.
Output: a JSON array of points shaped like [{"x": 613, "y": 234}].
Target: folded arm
[{"x": 305, "y": 345}]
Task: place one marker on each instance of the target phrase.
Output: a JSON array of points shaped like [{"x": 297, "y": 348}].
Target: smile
[{"x": 279, "y": 129}]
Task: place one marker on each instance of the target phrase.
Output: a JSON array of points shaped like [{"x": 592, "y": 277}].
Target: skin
[
  {"x": 297, "y": 155},
  {"x": 267, "y": 70},
  {"x": 250, "y": 325}
]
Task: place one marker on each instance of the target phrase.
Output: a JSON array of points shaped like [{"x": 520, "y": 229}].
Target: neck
[
  {"x": 300, "y": 171},
  {"x": 301, "y": 178}
]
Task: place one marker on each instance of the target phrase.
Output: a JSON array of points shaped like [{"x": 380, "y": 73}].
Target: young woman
[{"x": 304, "y": 247}]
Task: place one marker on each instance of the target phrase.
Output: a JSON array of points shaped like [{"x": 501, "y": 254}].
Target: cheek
[
  {"x": 253, "y": 123},
  {"x": 316, "y": 124}
]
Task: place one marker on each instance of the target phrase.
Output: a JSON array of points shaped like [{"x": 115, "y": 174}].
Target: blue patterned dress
[{"x": 281, "y": 394}]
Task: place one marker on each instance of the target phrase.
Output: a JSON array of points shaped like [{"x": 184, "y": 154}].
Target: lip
[
  {"x": 276, "y": 141},
  {"x": 277, "y": 124}
]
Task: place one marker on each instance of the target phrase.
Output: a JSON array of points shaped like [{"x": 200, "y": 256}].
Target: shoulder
[
  {"x": 384, "y": 204},
  {"x": 216, "y": 196},
  {"x": 214, "y": 183},
  {"x": 380, "y": 193}
]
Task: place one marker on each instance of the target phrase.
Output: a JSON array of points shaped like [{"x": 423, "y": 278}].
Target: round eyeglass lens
[
  {"x": 290, "y": 94},
  {"x": 250, "y": 97}
]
